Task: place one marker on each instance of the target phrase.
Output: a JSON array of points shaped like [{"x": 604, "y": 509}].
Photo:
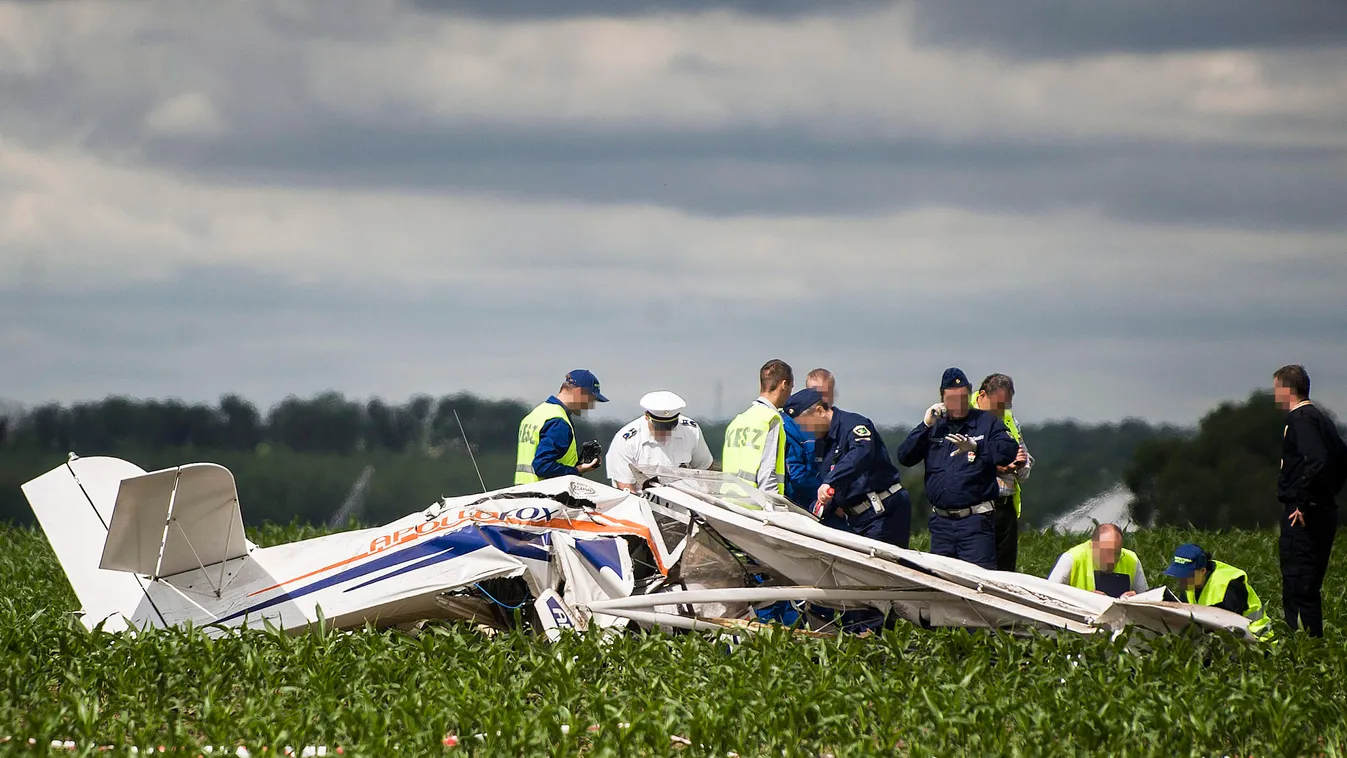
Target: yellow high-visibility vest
[
  {"x": 1213, "y": 592},
  {"x": 744, "y": 440},
  {"x": 1082, "y": 566},
  {"x": 529, "y": 430}
]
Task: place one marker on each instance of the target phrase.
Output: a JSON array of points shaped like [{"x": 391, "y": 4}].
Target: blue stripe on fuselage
[
  {"x": 434, "y": 550},
  {"x": 509, "y": 541}
]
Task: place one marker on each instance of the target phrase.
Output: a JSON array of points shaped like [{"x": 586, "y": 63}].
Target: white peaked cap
[{"x": 662, "y": 404}]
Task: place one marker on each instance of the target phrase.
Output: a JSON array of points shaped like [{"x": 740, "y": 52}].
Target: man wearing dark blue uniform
[
  {"x": 860, "y": 485},
  {"x": 961, "y": 447}
]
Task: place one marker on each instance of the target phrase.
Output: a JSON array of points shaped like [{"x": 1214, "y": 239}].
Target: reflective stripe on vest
[
  {"x": 1082, "y": 566},
  {"x": 1213, "y": 592},
  {"x": 529, "y": 431},
  {"x": 744, "y": 440}
]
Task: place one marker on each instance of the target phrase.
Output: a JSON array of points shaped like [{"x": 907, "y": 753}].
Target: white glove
[
  {"x": 933, "y": 413},
  {"x": 961, "y": 444}
]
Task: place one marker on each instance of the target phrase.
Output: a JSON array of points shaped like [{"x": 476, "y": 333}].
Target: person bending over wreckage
[
  {"x": 1101, "y": 565},
  {"x": 1206, "y": 581},
  {"x": 663, "y": 436},
  {"x": 859, "y": 490},
  {"x": 802, "y": 478}
]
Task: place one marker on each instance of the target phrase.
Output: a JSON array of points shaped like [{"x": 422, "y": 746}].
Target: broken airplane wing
[{"x": 166, "y": 548}]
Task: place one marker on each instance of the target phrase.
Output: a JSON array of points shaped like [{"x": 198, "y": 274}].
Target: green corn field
[{"x": 905, "y": 692}]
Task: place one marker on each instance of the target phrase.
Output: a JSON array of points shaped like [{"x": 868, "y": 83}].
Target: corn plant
[{"x": 906, "y": 691}]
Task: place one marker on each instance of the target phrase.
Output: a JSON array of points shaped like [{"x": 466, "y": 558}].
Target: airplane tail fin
[{"x": 73, "y": 503}]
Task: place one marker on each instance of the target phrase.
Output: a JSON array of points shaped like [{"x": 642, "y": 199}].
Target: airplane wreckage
[{"x": 696, "y": 550}]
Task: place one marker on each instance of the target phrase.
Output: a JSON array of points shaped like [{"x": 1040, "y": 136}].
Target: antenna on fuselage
[{"x": 468, "y": 445}]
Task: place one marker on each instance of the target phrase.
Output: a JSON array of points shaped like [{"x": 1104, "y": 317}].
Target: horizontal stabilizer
[{"x": 175, "y": 520}]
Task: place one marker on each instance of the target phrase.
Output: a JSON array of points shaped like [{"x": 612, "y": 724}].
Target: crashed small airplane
[{"x": 696, "y": 550}]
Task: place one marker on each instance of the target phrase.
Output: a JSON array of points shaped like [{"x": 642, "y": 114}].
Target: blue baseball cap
[
  {"x": 802, "y": 401},
  {"x": 1188, "y": 558},
  {"x": 953, "y": 378},
  {"x": 585, "y": 380}
]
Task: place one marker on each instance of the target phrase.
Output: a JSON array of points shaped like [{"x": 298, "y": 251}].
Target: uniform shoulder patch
[
  {"x": 629, "y": 434},
  {"x": 688, "y": 422},
  {"x": 861, "y": 430}
]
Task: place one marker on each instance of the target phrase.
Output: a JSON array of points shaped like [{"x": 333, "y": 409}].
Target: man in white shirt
[{"x": 662, "y": 437}]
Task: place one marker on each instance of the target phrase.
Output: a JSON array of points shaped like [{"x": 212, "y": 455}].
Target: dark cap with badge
[
  {"x": 1188, "y": 558},
  {"x": 802, "y": 401},
  {"x": 584, "y": 379},
  {"x": 953, "y": 378}
]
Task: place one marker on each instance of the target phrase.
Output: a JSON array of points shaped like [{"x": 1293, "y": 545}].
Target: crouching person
[
  {"x": 1101, "y": 565},
  {"x": 1206, "y": 581}
]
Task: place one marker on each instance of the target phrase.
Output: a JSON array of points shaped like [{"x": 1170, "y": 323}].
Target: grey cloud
[
  {"x": 202, "y": 332},
  {"x": 770, "y": 172},
  {"x": 278, "y": 135},
  {"x": 516, "y": 9},
  {"x": 1068, "y": 28}
]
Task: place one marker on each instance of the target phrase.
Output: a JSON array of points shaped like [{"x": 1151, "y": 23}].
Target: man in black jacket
[{"x": 1313, "y": 470}]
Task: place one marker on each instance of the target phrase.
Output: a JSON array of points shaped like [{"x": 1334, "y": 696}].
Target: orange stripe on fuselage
[
  {"x": 338, "y": 564},
  {"x": 416, "y": 536},
  {"x": 624, "y": 527}
]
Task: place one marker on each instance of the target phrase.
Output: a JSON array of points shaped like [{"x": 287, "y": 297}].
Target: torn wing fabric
[
  {"x": 594, "y": 570},
  {"x": 695, "y": 534}
]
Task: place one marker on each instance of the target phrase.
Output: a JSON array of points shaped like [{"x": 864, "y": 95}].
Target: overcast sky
[{"x": 1133, "y": 208}]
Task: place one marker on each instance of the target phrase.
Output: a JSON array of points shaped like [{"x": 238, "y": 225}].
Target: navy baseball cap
[
  {"x": 1188, "y": 558},
  {"x": 802, "y": 401},
  {"x": 953, "y": 378},
  {"x": 585, "y": 380}
]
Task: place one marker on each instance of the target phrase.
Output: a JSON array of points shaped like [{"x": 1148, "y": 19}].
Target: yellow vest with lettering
[
  {"x": 744, "y": 440},
  {"x": 529, "y": 430},
  {"x": 1213, "y": 592},
  {"x": 1082, "y": 566}
]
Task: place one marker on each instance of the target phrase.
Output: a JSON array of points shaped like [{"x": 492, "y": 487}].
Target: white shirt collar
[
  {"x": 1302, "y": 403},
  {"x": 766, "y": 402}
]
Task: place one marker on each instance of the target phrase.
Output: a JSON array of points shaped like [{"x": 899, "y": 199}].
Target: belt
[
  {"x": 873, "y": 501},
  {"x": 984, "y": 507}
]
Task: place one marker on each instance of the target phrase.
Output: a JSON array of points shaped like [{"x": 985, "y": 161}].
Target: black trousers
[
  {"x": 1304, "y": 561},
  {"x": 1007, "y": 534}
]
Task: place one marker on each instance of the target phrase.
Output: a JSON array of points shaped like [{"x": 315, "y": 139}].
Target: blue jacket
[
  {"x": 956, "y": 482},
  {"x": 554, "y": 439},
  {"x": 802, "y": 479},
  {"x": 855, "y": 461}
]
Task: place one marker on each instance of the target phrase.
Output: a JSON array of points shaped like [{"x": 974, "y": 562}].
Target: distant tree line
[
  {"x": 1223, "y": 474},
  {"x": 326, "y": 423},
  {"x": 299, "y": 459}
]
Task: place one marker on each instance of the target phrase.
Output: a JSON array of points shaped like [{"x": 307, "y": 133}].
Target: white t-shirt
[{"x": 634, "y": 444}]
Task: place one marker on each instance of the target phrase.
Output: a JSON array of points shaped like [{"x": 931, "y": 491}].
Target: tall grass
[{"x": 906, "y": 692}]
